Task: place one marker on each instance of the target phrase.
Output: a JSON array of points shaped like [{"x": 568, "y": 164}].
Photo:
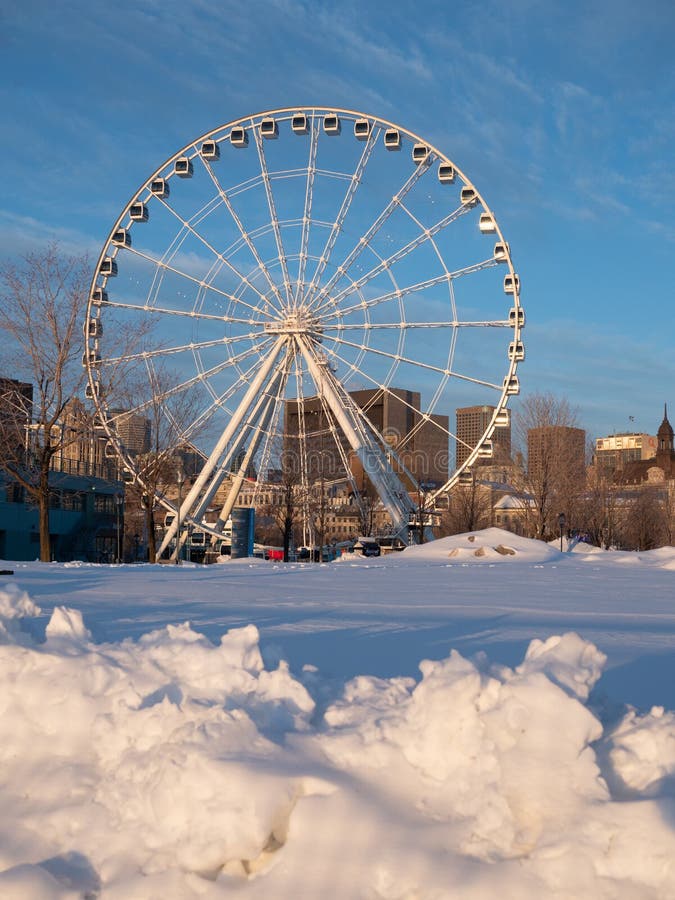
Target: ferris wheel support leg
[
  {"x": 212, "y": 462},
  {"x": 393, "y": 494},
  {"x": 223, "y": 469},
  {"x": 238, "y": 479}
]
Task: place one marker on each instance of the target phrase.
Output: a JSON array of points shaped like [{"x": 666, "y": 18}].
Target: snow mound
[
  {"x": 173, "y": 766},
  {"x": 15, "y": 604},
  {"x": 488, "y": 545}
]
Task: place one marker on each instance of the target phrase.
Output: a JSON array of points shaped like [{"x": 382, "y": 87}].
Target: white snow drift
[{"x": 172, "y": 766}]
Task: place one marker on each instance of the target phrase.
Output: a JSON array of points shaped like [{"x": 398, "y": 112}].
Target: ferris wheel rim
[{"x": 191, "y": 150}]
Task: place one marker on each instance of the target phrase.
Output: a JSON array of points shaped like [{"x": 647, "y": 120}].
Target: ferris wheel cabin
[
  {"x": 269, "y": 128},
  {"x": 503, "y": 419},
  {"x": 512, "y": 385},
  {"x": 486, "y": 223},
  {"x": 446, "y": 173},
  {"x": 183, "y": 167},
  {"x": 511, "y": 284},
  {"x": 516, "y": 351},
  {"x": 420, "y": 152},
  {"x": 159, "y": 187},
  {"x": 99, "y": 296},
  {"x": 361, "y": 129},
  {"x": 299, "y": 123},
  {"x": 468, "y": 196},
  {"x": 108, "y": 268},
  {"x": 517, "y": 317},
  {"x": 121, "y": 238},
  {"x": 138, "y": 212},
  {"x": 501, "y": 251},
  {"x": 93, "y": 328},
  {"x": 239, "y": 137},
  {"x": 392, "y": 139},
  {"x": 331, "y": 124},
  {"x": 210, "y": 150}
]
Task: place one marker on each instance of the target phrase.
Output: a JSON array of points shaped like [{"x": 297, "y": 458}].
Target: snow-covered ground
[{"x": 482, "y": 716}]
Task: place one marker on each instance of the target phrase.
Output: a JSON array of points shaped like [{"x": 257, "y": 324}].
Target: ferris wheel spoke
[
  {"x": 397, "y": 358},
  {"x": 182, "y": 348},
  {"x": 221, "y": 399},
  {"x": 399, "y": 293},
  {"x": 386, "y": 264},
  {"x": 201, "y": 377},
  {"x": 381, "y": 390},
  {"x": 161, "y": 265},
  {"x": 246, "y": 237},
  {"x": 338, "y": 224},
  {"x": 190, "y": 314},
  {"x": 407, "y": 326},
  {"x": 307, "y": 214},
  {"x": 274, "y": 219},
  {"x": 219, "y": 256},
  {"x": 319, "y": 296}
]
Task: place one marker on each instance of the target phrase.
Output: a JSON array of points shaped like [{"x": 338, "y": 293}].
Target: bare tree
[
  {"x": 644, "y": 524},
  {"x": 598, "y": 509},
  {"x": 41, "y": 307},
  {"x": 547, "y": 426},
  {"x": 469, "y": 507}
]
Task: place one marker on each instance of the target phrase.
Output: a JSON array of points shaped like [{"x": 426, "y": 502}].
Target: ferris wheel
[{"x": 306, "y": 282}]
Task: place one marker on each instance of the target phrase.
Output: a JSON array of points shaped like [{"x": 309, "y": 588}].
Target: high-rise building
[
  {"x": 421, "y": 443},
  {"x": 133, "y": 429},
  {"x": 16, "y": 413},
  {"x": 615, "y": 451},
  {"x": 471, "y": 424},
  {"x": 556, "y": 448}
]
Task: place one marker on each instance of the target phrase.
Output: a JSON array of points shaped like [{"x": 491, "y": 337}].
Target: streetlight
[
  {"x": 180, "y": 481},
  {"x": 561, "y": 525},
  {"x": 118, "y": 505}
]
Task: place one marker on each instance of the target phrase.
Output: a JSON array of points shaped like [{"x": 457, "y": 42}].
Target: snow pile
[
  {"x": 488, "y": 545},
  {"x": 15, "y": 605},
  {"x": 174, "y": 767}
]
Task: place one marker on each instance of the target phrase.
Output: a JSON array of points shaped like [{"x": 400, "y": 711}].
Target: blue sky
[{"x": 562, "y": 114}]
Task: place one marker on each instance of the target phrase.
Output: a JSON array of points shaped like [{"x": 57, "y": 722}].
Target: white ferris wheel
[{"x": 284, "y": 279}]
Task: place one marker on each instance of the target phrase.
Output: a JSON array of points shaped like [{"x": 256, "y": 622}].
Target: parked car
[{"x": 367, "y": 547}]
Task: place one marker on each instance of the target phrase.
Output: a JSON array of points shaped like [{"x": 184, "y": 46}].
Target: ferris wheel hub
[{"x": 299, "y": 321}]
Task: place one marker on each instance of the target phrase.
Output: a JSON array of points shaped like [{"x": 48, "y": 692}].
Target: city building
[
  {"x": 133, "y": 429},
  {"x": 421, "y": 443},
  {"x": 471, "y": 423},
  {"x": 660, "y": 467},
  {"x": 615, "y": 451},
  {"x": 559, "y": 448},
  {"x": 16, "y": 412},
  {"x": 86, "y": 497}
]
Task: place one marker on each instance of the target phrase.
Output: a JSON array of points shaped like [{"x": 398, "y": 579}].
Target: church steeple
[{"x": 665, "y": 433}]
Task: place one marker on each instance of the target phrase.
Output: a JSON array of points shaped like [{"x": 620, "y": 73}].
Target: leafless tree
[
  {"x": 469, "y": 508},
  {"x": 41, "y": 309},
  {"x": 598, "y": 512},
  {"x": 168, "y": 413},
  {"x": 644, "y": 523},
  {"x": 548, "y": 428}
]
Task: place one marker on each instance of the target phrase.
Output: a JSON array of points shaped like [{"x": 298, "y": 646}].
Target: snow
[{"x": 478, "y": 716}]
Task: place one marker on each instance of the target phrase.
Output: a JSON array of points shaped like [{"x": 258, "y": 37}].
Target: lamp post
[
  {"x": 180, "y": 481},
  {"x": 561, "y": 525},
  {"x": 118, "y": 506}
]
